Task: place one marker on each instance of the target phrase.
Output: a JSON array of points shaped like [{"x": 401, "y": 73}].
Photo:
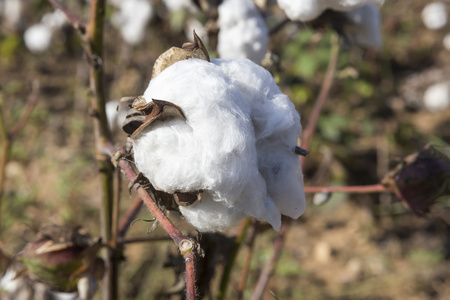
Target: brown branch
[
  {"x": 376, "y": 188},
  {"x": 31, "y": 102},
  {"x": 144, "y": 239},
  {"x": 76, "y": 23},
  {"x": 186, "y": 246},
  {"x": 130, "y": 215},
  {"x": 251, "y": 245}
]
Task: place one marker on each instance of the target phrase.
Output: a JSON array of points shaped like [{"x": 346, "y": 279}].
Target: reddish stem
[
  {"x": 31, "y": 102},
  {"x": 76, "y": 23},
  {"x": 375, "y": 188},
  {"x": 248, "y": 259}
]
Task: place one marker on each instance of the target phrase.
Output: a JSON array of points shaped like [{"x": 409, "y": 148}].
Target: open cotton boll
[
  {"x": 132, "y": 19},
  {"x": 175, "y": 5},
  {"x": 364, "y": 26},
  {"x": 243, "y": 33},
  {"x": 308, "y": 10},
  {"x": 11, "y": 11},
  {"x": 54, "y": 20},
  {"x": 37, "y": 38},
  {"x": 434, "y": 15},
  {"x": 236, "y": 144}
]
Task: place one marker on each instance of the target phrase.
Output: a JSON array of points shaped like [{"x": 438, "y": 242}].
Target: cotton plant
[
  {"x": 132, "y": 18},
  {"x": 220, "y": 137},
  {"x": 308, "y": 10},
  {"x": 243, "y": 33}
]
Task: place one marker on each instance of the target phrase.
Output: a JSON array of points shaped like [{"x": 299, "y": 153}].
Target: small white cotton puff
[
  {"x": 364, "y": 26},
  {"x": 307, "y": 10},
  {"x": 37, "y": 38},
  {"x": 437, "y": 97},
  {"x": 434, "y": 15},
  {"x": 236, "y": 144},
  {"x": 243, "y": 33},
  {"x": 132, "y": 19}
]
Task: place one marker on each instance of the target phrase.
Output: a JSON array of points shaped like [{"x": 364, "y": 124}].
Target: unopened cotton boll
[
  {"x": 132, "y": 19},
  {"x": 235, "y": 145},
  {"x": 308, "y": 10},
  {"x": 37, "y": 38},
  {"x": 434, "y": 15},
  {"x": 437, "y": 97},
  {"x": 243, "y": 33},
  {"x": 364, "y": 26}
]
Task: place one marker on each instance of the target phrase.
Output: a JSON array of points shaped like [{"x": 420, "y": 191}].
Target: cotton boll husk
[
  {"x": 132, "y": 19},
  {"x": 243, "y": 33},
  {"x": 434, "y": 15},
  {"x": 277, "y": 127},
  {"x": 364, "y": 28},
  {"x": 307, "y": 10},
  {"x": 213, "y": 150},
  {"x": 37, "y": 38}
]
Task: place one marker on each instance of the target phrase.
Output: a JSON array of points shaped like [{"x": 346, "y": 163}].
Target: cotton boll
[
  {"x": 364, "y": 26},
  {"x": 175, "y": 5},
  {"x": 12, "y": 11},
  {"x": 243, "y": 33},
  {"x": 308, "y": 10},
  {"x": 54, "y": 20},
  {"x": 116, "y": 114},
  {"x": 434, "y": 15},
  {"x": 215, "y": 149},
  {"x": 132, "y": 19},
  {"x": 37, "y": 38},
  {"x": 437, "y": 97}
]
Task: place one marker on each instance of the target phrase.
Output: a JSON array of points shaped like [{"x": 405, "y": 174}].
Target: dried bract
[{"x": 421, "y": 179}]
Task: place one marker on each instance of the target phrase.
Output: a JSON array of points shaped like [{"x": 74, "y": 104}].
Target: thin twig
[
  {"x": 375, "y": 188},
  {"x": 227, "y": 270},
  {"x": 31, "y": 102},
  {"x": 144, "y": 240},
  {"x": 76, "y": 23},
  {"x": 269, "y": 267},
  {"x": 130, "y": 215},
  {"x": 251, "y": 245}
]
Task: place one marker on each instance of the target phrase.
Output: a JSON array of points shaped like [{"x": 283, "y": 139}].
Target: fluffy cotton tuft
[
  {"x": 364, "y": 28},
  {"x": 243, "y": 33},
  {"x": 307, "y": 10},
  {"x": 11, "y": 11},
  {"x": 176, "y": 5},
  {"x": 437, "y": 97},
  {"x": 236, "y": 144},
  {"x": 132, "y": 19},
  {"x": 434, "y": 15},
  {"x": 37, "y": 38},
  {"x": 54, "y": 20}
]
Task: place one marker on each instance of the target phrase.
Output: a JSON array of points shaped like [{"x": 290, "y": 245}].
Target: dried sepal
[
  {"x": 142, "y": 114},
  {"x": 421, "y": 179},
  {"x": 189, "y": 50}
]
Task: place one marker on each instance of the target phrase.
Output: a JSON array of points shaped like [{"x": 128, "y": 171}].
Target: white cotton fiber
[
  {"x": 132, "y": 19},
  {"x": 437, "y": 97},
  {"x": 37, "y": 38},
  {"x": 236, "y": 144},
  {"x": 434, "y": 15},
  {"x": 243, "y": 33},
  {"x": 307, "y": 10},
  {"x": 364, "y": 26}
]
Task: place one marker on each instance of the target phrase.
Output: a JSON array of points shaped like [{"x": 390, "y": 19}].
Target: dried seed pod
[
  {"x": 189, "y": 50},
  {"x": 421, "y": 179}
]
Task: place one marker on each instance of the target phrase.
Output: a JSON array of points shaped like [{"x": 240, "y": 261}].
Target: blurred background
[{"x": 385, "y": 103}]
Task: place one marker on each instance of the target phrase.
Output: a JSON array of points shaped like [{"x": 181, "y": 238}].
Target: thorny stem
[
  {"x": 307, "y": 134},
  {"x": 180, "y": 240},
  {"x": 230, "y": 263}
]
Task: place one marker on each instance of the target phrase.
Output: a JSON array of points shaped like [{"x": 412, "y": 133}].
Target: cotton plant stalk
[{"x": 220, "y": 137}]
